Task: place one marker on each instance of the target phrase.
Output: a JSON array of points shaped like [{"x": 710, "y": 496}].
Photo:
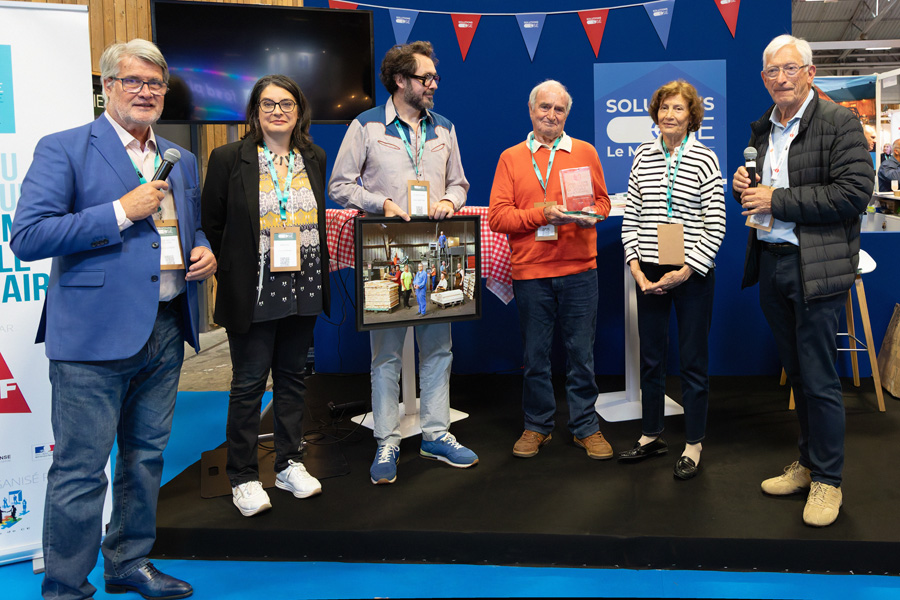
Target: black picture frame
[{"x": 378, "y": 240}]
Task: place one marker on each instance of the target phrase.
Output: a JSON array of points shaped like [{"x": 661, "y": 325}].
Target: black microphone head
[
  {"x": 173, "y": 156},
  {"x": 750, "y": 153}
]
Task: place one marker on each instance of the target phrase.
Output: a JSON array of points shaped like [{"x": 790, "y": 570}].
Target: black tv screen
[{"x": 216, "y": 52}]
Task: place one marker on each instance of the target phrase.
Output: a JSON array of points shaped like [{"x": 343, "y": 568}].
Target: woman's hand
[{"x": 670, "y": 280}]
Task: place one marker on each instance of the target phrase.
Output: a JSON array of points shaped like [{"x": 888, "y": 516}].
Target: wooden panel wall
[{"x": 121, "y": 20}]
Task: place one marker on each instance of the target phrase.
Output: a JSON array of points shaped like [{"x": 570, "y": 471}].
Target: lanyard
[
  {"x": 788, "y": 134},
  {"x": 670, "y": 179},
  {"x": 282, "y": 193},
  {"x": 138, "y": 171},
  {"x": 415, "y": 163},
  {"x": 549, "y": 163}
]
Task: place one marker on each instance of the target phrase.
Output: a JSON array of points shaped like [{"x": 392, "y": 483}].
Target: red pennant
[
  {"x": 11, "y": 398},
  {"x": 465, "y": 26},
  {"x": 340, "y": 4},
  {"x": 594, "y": 22},
  {"x": 729, "y": 10}
]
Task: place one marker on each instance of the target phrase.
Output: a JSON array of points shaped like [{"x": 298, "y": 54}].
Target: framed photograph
[{"x": 416, "y": 272}]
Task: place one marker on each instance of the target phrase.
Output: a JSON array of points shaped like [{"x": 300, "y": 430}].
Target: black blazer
[{"x": 230, "y": 217}]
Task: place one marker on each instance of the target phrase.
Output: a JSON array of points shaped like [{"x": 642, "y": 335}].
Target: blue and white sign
[{"x": 622, "y": 93}]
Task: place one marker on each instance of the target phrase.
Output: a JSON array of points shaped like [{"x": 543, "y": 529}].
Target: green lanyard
[
  {"x": 670, "y": 180},
  {"x": 138, "y": 171},
  {"x": 549, "y": 163},
  {"x": 282, "y": 193},
  {"x": 409, "y": 151}
]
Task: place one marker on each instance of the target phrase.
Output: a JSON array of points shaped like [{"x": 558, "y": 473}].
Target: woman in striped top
[{"x": 674, "y": 223}]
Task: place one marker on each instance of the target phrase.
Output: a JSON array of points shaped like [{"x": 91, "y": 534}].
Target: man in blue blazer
[{"x": 122, "y": 300}]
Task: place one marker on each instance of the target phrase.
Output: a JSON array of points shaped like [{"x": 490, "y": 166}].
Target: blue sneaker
[
  {"x": 447, "y": 449},
  {"x": 384, "y": 467}
]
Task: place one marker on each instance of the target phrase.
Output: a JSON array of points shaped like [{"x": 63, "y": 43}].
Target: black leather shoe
[
  {"x": 655, "y": 448},
  {"x": 151, "y": 584},
  {"x": 686, "y": 468}
]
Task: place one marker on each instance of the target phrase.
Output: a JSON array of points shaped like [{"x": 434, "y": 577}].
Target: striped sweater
[{"x": 697, "y": 203}]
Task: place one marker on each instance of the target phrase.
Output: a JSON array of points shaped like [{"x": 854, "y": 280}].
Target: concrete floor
[{"x": 210, "y": 370}]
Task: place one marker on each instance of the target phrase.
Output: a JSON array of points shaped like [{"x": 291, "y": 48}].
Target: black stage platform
[{"x": 561, "y": 508}]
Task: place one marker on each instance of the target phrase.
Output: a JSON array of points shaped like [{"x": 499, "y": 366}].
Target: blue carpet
[{"x": 200, "y": 425}]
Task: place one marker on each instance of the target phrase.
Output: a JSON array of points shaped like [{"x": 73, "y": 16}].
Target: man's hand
[
  {"x": 555, "y": 216},
  {"x": 741, "y": 180},
  {"x": 442, "y": 210},
  {"x": 757, "y": 201},
  {"x": 392, "y": 209},
  {"x": 203, "y": 264},
  {"x": 143, "y": 201}
]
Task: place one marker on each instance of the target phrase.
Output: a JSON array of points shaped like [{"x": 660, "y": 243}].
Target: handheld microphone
[
  {"x": 750, "y": 155},
  {"x": 171, "y": 157}
]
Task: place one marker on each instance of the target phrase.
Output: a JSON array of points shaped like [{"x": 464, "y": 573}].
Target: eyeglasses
[
  {"x": 427, "y": 79},
  {"x": 133, "y": 85},
  {"x": 285, "y": 105},
  {"x": 789, "y": 70}
]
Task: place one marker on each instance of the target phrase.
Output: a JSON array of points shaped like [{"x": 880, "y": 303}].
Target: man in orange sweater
[{"x": 554, "y": 262}]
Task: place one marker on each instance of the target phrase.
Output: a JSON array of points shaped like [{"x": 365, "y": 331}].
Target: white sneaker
[
  {"x": 296, "y": 480},
  {"x": 250, "y": 498}
]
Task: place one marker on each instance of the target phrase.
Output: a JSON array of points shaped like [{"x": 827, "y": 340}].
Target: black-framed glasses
[
  {"x": 789, "y": 70},
  {"x": 285, "y": 105},
  {"x": 133, "y": 85},
  {"x": 427, "y": 78}
]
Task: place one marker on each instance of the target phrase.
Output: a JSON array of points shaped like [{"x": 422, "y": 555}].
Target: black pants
[
  {"x": 280, "y": 346},
  {"x": 805, "y": 334}
]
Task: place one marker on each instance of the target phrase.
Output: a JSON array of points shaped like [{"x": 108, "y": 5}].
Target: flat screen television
[
  {"x": 449, "y": 254},
  {"x": 216, "y": 52}
]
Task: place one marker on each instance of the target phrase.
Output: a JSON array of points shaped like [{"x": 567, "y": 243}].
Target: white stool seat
[{"x": 867, "y": 264}]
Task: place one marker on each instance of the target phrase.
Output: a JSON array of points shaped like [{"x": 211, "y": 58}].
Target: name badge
[
  {"x": 671, "y": 243},
  {"x": 284, "y": 249},
  {"x": 546, "y": 233},
  {"x": 170, "y": 257},
  {"x": 418, "y": 193},
  {"x": 761, "y": 222}
]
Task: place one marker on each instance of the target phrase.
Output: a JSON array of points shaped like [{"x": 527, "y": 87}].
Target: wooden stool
[{"x": 866, "y": 265}]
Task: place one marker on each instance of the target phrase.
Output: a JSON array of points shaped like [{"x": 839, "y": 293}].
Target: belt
[
  {"x": 174, "y": 304},
  {"x": 781, "y": 248}
]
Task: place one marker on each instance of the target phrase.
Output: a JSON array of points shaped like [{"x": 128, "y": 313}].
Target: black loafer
[
  {"x": 686, "y": 468},
  {"x": 657, "y": 447},
  {"x": 151, "y": 584}
]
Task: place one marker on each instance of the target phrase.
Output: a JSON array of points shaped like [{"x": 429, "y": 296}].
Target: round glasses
[
  {"x": 789, "y": 70},
  {"x": 134, "y": 85},
  {"x": 285, "y": 105}
]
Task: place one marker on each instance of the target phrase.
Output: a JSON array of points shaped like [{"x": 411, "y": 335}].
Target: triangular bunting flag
[
  {"x": 729, "y": 10},
  {"x": 11, "y": 398},
  {"x": 465, "y": 26},
  {"x": 594, "y": 21},
  {"x": 402, "y": 21},
  {"x": 340, "y": 4},
  {"x": 531, "y": 25},
  {"x": 660, "y": 14}
]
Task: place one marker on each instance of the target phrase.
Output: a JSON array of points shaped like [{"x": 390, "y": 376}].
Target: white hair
[
  {"x": 781, "y": 41},
  {"x": 545, "y": 84},
  {"x": 138, "y": 48}
]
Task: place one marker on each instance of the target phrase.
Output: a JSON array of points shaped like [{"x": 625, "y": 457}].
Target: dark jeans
[
  {"x": 572, "y": 299},
  {"x": 805, "y": 334},
  {"x": 405, "y": 296},
  {"x": 131, "y": 401},
  {"x": 280, "y": 346},
  {"x": 693, "y": 301}
]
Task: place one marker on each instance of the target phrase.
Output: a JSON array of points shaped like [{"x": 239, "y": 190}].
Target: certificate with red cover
[{"x": 577, "y": 189}]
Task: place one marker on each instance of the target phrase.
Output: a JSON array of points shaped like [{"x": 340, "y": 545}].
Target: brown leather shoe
[
  {"x": 596, "y": 447},
  {"x": 529, "y": 443}
]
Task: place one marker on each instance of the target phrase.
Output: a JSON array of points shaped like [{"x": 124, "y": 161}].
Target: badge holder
[
  {"x": 670, "y": 239},
  {"x": 761, "y": 222},
  {"x": 547, "y": 233},
  {"x": 418, "y": 194},
  {"x": 284, "y": 249},
  {"x": 170, "y": 245}
]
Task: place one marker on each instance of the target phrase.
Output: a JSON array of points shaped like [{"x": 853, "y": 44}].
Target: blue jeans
[
  {"x": 693, "y": 301},
  {"x": 572, "y": 299},
  {"x": 805, "y": 334},
  {"x": 435, "y": 358},
  {"x": 132, "y": 402}
]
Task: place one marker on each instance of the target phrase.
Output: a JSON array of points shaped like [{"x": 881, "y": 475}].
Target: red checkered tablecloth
[{"x": 494, "y": 248}]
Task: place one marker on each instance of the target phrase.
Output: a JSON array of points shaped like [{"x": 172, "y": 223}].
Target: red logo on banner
[
  {"x": 729, "y": 10},
  {"x": 11, "y": 398},
  {"x": 594, "y": 21},
  {"x": 465, "y": 26},
  {"x": 339, "y": 4}
]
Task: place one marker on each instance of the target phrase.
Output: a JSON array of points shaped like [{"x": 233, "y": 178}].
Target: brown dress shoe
[
  {"x": 529, "y": 443},
  {"x": 596, "y": 447}
]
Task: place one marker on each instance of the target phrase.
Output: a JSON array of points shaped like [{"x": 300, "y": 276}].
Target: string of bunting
[{"x": 532, "y": 24}]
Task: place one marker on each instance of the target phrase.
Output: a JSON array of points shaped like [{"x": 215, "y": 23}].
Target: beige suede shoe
[
  {"x": 796, "y": 478},
  {"x": 822, "y": 505}
]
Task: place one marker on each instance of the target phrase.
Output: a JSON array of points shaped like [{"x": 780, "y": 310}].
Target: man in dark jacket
[{"x": 817, "y": 178}]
